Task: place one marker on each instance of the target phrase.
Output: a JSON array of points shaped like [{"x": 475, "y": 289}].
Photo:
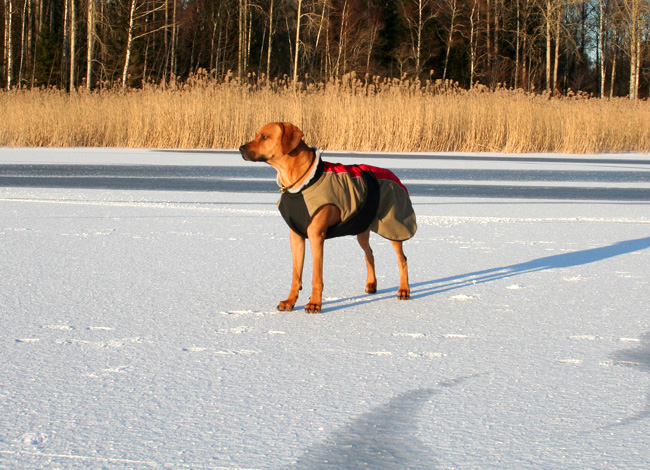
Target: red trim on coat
[{"x": 355, "y": 172}]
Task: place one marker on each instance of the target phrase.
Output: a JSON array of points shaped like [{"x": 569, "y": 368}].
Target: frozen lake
[{"x": 140, "y": 330}]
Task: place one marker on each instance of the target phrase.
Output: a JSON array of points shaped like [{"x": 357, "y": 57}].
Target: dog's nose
[{"x": 242, "y": 149}]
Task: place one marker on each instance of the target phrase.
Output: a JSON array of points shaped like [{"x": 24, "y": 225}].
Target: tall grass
[{"x": 383, "y": 115}]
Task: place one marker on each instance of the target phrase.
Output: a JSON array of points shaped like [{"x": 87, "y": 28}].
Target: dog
[{"x": 323, "y": 200}]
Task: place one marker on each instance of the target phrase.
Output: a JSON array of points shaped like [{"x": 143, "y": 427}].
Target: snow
[{"x": 139, "y": 331}]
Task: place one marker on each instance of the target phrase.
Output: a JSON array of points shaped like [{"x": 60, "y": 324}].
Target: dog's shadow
[{"x": 566, "y": 260}]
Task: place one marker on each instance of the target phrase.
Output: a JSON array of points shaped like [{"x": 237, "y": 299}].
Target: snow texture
[{"x": 139, "y": 331}]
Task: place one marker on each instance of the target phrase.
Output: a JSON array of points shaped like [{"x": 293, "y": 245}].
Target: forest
[{"x": 558, "y": 47}]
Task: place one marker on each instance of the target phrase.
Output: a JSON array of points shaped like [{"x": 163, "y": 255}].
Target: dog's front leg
[
  {"x": 327, "y": 216},
  {"x": 298, "y": 256}
]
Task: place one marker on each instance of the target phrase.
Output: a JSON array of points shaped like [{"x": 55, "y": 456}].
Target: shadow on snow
[{"x": 564, "y": 260}]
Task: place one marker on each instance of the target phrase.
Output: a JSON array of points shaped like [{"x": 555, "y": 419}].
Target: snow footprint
[
  {"x": 58, "y": 327},
  {"x": 35, "y": 439},
  {"x": 227, "y": 352},
  {"x": 462, "y": 297},
  {"x": 584, "y": 337},
  {"x": 410, "y": 335},
  {"x": 426, "y": 355},
  {"x": 515, "y": 287},
  {"x": 248, "y": 312},
  {"x": 235, "y": 331}
]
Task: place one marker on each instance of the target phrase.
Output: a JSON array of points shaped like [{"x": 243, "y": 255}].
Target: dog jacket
[{"x": 368, "y": 198}]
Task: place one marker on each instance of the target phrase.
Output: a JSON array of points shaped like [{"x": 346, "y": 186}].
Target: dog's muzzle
[{"x": 250, "y": 156}]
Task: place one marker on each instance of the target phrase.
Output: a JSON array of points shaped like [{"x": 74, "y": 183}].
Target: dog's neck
[{"x": 295, "y": 167}]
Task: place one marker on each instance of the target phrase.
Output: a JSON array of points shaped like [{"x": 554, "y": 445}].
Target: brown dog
[{"x": 323, "y": 200}]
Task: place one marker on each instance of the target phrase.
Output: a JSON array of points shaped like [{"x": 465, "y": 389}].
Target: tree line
[{"x": 601, "y": 47}]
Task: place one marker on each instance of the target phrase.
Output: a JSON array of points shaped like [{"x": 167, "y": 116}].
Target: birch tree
[
  {"x": 8, "y": 54},
  {"x": 137, "y": 12},
  {"x": 25, "y": 38},
  {"x": 90, "y": 43},
  {"x": 453, "y": 10},
  {"x": 416, "y": 13},
  {"x": 73, "y": 44},
  {"x": 602, "y": 8},
  {"x": 270, "y": 43},
  {"x": 297, "y": 49},
  {"x": 635, "y": 18},
  {"x": 242, "y": 56}
]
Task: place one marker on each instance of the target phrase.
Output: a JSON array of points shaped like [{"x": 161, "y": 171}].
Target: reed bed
[{"x": 383, "y": 115}]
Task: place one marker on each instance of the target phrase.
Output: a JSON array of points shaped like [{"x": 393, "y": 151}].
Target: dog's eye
[{"x": 264, "y": 137}]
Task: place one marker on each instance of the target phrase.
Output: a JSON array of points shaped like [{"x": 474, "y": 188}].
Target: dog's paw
[
  {"x": 404, "y": 294},
  {"x": 286, "y": 305},
  {"x": 371, "y": 288},
  {"x": 312, "y": 308}
]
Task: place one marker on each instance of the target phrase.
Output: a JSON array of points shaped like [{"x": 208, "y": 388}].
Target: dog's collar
[{"x": 311, "y": 171}]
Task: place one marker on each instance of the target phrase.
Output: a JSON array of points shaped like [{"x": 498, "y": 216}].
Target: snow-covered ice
[{"x": 139, "y": 331}]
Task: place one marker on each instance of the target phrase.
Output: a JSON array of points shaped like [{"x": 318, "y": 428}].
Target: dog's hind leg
[
  {"x": 371, "y": 280},
  {"x": 404, "y": 291}
]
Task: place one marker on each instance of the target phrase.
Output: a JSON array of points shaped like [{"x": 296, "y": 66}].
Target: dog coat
[{"x": 368, "y": 198}]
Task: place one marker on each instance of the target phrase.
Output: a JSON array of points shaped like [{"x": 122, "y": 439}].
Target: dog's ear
[{"x": 291, "y": 137}]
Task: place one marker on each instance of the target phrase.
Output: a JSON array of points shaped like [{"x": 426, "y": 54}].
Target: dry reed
[{"x": 383, "y": 115}]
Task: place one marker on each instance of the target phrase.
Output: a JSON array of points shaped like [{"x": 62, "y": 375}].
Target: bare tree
[
  {"x": 73, "y": 44},
  {"x": 416, "y": 13},
  {"x": 452, "y": 9},
  {"x": 8, "y": 54},
  {"x": 602, "y": 8},
  {"x": 297, "y": 49},
  {"x": 634, "y": 14},
  {"x": 270, "y": 44},
  {"x": 474, "y": 18},
  {"x": 90, "y": 42},
  {"x": 343, "y": 40},
  {"x": 25, "y": 34},
  {"x": 138, "y": 11},
  {"x": 242, "y": 56}
]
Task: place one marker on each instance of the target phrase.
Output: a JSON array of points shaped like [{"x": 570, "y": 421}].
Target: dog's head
[{"x": 272, "y": 141}]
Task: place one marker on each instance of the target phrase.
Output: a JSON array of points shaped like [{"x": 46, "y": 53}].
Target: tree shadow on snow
[
  {"x": 564, "y": 260},
  {"x": 383, "y": 438}
]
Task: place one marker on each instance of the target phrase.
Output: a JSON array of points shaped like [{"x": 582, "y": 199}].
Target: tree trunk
[
  {"x": 548, "y": 45},
  {"x": 452, "y": 27},
  {"x": 8, "y": 58},
  {"x": 633, "y": 14},
  {"x": 418, "y": 51},
  {"x": 374, "y": 33},
  {"x": 472, "y": 43},
  {"x": 614, "y": 57},
  {"x": 342, "y": 41},
  {"x": 174, "y": 65},
  {"x": 517, "y": 44},
  {"x": 297, "y": 51},
  {"x": 243, "y": 35},
  {"x": 24, "y": 50},
  {"x": 129, "y": 44},
  {"x": 318, "y": 35},
  {"x": 637, "y": 61},
  {"x": 488, "y": 34},
  {"x": 556, "y": 64},
  {"x": 66, "y": 41},
  {"x": 268, "y": 51},
  {"x": 601, "y": 46},
  {"x": 90, "y": 40},
  {"x": 73, "y": 44}
]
